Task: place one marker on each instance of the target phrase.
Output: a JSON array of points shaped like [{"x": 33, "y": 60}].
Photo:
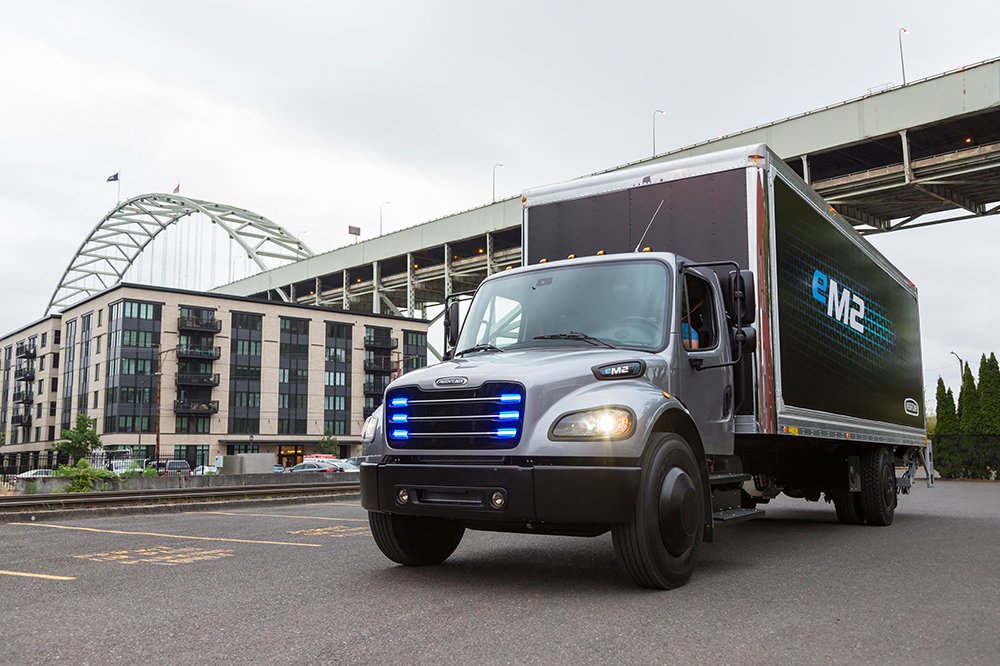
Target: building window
[{"x": 44, "y": 338}]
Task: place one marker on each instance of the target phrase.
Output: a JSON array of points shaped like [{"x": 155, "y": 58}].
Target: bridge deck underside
[{"x": 941, "y": 172}]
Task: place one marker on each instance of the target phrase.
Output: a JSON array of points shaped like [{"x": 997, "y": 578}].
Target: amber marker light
[
  {"x": 600, "y": 252},
  {"x": 543, "y": 261},
  {"x": 571, "y": 256},
  {"x": 647, "y": 249}
]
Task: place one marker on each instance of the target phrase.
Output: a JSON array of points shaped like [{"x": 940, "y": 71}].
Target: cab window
[{"x": 699, "y": 329}]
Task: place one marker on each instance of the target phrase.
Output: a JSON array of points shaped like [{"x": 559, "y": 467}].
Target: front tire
[
  {"x": 878, "y": 486},
  {"x": 414, "y": 540},
  {"x": 658, "y": 547}
]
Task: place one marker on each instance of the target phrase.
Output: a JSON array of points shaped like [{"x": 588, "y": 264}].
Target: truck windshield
[{"x": 621, "y": 303}]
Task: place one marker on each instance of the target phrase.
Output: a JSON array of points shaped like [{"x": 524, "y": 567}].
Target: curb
[{"x": 171, "y": 507}]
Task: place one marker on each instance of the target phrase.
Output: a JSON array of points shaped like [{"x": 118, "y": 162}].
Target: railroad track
[{"x": 18, "y": 504}]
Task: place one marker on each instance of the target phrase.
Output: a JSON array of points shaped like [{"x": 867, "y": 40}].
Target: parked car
[
  {"x": 354, "y": 460},
  {"x": 205, "y": 470},
  {"x": 171, "y": 467},
  {"x": 346, "y": 465},
  {"x": 125, "y": 466},
  {"x": 316, "y": 467},
  {"x": 35, "y": 474}
]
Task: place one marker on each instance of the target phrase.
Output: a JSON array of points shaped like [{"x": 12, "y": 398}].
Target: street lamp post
[
  {"x": 654, "y": 129},
  {"x": 149, "y": 378},
  {"x": 902, "y": 65},
  {"x": 380, "y": 207},
  {"x": 495, "y": 181},
  {"x": 961, "y": 366}
]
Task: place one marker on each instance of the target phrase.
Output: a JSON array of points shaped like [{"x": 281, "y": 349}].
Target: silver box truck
[{"x": 685, "y": 341}]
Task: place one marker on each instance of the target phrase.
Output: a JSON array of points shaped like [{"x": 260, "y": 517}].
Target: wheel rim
[{"x": 678, "y": 511}]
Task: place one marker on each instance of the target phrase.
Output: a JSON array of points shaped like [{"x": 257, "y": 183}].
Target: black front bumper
[{"x": 570, "y": 495}]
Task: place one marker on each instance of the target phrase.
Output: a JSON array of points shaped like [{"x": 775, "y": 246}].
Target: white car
[
  {"x": 35, "y": 474},
  {"x": 205, "y": 470}
]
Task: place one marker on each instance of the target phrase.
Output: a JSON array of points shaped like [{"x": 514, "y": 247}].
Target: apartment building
[{"x": 194, "y": 375}]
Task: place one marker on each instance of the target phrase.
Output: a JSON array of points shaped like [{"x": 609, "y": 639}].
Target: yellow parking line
[
  {"x": 171, "y": 536},
  {"x": 279, "y": 515},
  {"x": 34, "y": 575}
]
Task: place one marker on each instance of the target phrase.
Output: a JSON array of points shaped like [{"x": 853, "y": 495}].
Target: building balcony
[
  {"x": 380, "y": 365},
  {"x": 197, "y": 379},
  {"x": 26, "y": 374},
  {"x": 23, "y": 420},
  {"x": 24, "y": 397},
  {"x": 381, "y": 342},
  {"x": 196, "y": 406},
  {"x": 191, "y": 351},
  {"x": 374, "y": 389},
  {"x": 212, "y": 325},
  {"x": 25, "y": 351}
]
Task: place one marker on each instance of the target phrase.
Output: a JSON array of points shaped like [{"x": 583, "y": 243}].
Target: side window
[{"x": 699, "y": 329}]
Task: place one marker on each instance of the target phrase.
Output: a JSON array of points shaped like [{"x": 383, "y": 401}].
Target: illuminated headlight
[
  {"x": 603, "y": 423},
  {"x": 368, "y": 432}
]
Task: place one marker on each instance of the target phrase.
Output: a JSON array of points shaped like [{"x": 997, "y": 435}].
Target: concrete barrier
[{"x": 54, "y": 484}]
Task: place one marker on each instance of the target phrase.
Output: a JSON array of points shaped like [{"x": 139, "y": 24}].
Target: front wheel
[
  {"x": 658, "y": 547},
  {"x": 414, "y": 540}
]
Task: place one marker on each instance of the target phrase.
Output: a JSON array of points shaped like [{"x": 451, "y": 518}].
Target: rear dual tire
[{"x": 876, "y": 503}]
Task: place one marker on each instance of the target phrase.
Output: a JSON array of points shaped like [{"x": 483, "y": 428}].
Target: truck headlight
[
  {"x": 368, "y": 432},
  {"x": 602, "y": 423}
]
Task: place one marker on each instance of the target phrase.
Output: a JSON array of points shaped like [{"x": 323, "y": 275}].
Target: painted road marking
[
  {"x": 34, "y": 575},
  {"x": 165, "y": 555},
  {"x": 279, "y": 515},
  {"x": 332, "y": 530},
  {"x": 171, "y": 536}
]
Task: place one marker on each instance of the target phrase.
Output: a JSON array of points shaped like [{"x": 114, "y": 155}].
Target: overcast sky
[{"x": 314, "y": 113}]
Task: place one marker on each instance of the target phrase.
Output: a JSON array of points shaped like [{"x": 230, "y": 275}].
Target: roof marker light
[
  {"x": 600, "y": 253},
  {"x": 647, "y": 249},
  {"x": 571, "y": 256},
  {"x": 543, "y": 260}
]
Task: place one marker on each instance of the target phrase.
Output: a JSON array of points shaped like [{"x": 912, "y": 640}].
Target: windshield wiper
[
  {"x": 574, "y": 335},
  {"x": 482, "y": 346}
]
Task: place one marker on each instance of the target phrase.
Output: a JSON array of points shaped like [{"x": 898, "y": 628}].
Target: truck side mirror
[
  {"x": 743, "y": 297},
  {"x": 451, "y": 327}
]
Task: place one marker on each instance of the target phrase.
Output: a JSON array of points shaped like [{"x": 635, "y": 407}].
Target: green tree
[
  {"x": 328, "y": 445},
  {"x": 947, "y": 419},
  {"x": 79, "y": 441},
  {"x": 989, "y": 396},
  {"x": 968, "y": 404}
]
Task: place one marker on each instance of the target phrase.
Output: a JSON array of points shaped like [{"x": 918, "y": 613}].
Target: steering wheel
[{"x": 634, "y": 329}]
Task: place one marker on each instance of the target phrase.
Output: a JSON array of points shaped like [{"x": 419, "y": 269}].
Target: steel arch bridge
[{"x": 121, "y": 236}]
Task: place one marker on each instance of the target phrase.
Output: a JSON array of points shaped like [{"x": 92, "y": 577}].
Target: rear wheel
[
  {"x": 878, "y": 486},
  {"x": 414, "y": 540},
  {"x": 848, "y": 506},
  {"x": 658, "y": 547}
]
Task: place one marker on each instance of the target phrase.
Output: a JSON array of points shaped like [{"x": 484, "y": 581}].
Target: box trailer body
[
  {"x": 685, "y": 341},
  {"x": 837, "y": 324}
]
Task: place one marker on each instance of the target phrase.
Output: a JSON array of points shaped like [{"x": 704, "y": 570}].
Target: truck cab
[{"x": 559, "y": 380}]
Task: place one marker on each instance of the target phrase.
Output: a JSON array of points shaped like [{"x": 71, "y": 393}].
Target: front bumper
[{"x": 569, "y": 495}]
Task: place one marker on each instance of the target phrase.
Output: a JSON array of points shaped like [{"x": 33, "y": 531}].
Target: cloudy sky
[{"x": 314, "y": 113}]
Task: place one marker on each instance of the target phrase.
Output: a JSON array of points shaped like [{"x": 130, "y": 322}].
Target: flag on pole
[
  {"x": 113, "y": 177},
  {"x": 177, "y": 190}
]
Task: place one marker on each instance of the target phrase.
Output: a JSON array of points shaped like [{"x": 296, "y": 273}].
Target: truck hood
[{"x": 546, "y": 366}]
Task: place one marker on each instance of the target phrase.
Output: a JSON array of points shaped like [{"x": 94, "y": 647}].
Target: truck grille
[{"x": 488, "y": 417}]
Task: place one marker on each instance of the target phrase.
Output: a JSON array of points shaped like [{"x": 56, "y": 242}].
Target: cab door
[{"x": 706, "y": 383}]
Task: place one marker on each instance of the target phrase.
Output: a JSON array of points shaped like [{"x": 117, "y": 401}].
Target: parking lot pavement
[{"x": 306, "y": 584}]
